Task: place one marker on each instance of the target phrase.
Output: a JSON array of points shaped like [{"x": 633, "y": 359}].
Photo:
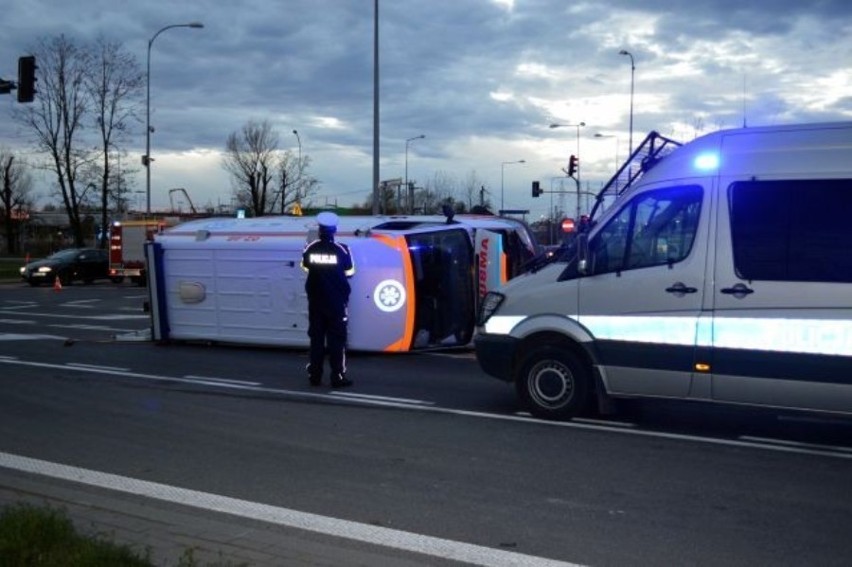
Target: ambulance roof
[{"x": 347, "y": 225}]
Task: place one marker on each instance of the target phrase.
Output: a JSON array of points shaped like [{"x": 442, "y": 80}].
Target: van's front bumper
[{"x": 496, "y": 355}]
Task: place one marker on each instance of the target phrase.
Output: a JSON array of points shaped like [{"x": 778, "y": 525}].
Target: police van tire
[{"x": 554, "y": 383}]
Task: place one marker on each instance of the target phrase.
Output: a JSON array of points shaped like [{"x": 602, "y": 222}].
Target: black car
[{"x": 70, "y": 265}]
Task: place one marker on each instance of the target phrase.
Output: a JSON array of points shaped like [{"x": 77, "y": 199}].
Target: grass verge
[{"x": 45, "y": 537}]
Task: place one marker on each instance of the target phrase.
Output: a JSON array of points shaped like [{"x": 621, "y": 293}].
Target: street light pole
[
  {"x": 146, "y": 159},
  {"x": 502, "y": 176},
  {"x": 410, "y": 193},
  {"x": 632, "y": 75},
  {"x": 298, "y": 179}
]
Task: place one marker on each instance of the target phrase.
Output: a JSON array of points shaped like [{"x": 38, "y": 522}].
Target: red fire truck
[{"x": 126, "y": 247}]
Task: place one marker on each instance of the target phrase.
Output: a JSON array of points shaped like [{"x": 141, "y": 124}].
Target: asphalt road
[{"x": 424, "y": 443}]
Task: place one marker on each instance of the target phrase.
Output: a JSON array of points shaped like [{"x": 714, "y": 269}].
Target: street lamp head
[
  {"x": 522, "y": 161},
  {"x": 195, "y": 25},
  {"x": 624, "y": 52},
  {"x": 554, "y": 125},
  {"x": 296, "y": 132}
]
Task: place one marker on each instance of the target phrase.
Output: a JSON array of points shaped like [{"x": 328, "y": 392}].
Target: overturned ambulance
[{"x": 417, "y": 284}]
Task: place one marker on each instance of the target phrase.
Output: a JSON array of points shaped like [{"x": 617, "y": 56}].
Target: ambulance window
[
  {"x": 655, "y": 228},
  {"x": 792, "y": 230}
]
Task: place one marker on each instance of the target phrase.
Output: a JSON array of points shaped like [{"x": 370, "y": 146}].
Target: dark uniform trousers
[{"x": 327, "y": 325}]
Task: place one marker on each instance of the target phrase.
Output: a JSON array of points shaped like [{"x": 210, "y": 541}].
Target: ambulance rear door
[
  {"x": 381, "y": 306},
  {"x": 491, "y": 263}
]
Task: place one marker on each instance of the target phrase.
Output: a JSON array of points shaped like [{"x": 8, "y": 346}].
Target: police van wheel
[{"x": 554, "y": 384}]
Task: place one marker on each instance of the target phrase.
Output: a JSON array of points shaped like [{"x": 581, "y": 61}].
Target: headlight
[
  {"x": 489, "y": 305},
  {"x": 45, "y": 269},
  {"x": 23, "y": 270}
]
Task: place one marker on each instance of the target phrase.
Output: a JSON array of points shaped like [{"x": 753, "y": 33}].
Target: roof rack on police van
[{"x": 653, "y": 148}]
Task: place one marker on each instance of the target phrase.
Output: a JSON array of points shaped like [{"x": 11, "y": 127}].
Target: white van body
[
  {"x": 724, "y": 274},
  {"x": 417, "y": 282}
]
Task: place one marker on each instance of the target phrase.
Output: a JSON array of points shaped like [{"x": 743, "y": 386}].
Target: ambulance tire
[{"x": 553, "y": 383}]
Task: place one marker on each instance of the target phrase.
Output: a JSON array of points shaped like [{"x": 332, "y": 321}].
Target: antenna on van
[{"x": 744, "y": 101}]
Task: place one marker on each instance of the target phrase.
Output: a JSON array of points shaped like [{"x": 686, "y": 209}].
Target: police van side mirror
[{"x": 583, "y": 253}]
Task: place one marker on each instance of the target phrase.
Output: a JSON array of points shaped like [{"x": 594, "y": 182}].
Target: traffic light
[
  {"x": 572, "y": 166},
  {"x": 536, "y": 189},
  {"x": 26, "y": 78}
]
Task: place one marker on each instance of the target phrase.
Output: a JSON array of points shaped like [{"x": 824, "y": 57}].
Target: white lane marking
[
  {"x": 23, "y": 337},
  {"x": 97, "y": 367},
  {"x": 87, "y": 327},
  {"x": 374, "y": 535},
  {"x": 17, "y": 321},
  {"x": 795, "y": 443},
  {"x": 80, "y": 303},
  {"x": 115, "y": 317},
  {"x": 839, "y": 452},
  {"x": 458, "y": 355},
  {"x": 20, "y": 304},
  {"x": 221, "y": 380},
  {"x": 380, "y": 398},
  {"x": 605, "y": 422}
]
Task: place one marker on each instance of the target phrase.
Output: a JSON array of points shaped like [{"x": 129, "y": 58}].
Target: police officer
[{"x": 329, "y": 266}]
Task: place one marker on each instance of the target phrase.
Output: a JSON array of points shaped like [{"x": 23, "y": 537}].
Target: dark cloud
[{"x": 458, "y": 71}]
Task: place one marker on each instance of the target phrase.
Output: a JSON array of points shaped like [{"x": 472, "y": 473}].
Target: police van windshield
[{"x": 442, "y": 262}]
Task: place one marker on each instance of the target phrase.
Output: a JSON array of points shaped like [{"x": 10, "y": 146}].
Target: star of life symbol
[{"x": 389, "y": 296}]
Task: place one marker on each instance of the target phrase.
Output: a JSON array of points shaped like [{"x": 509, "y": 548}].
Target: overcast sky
[{"x": 481, "y": 79}]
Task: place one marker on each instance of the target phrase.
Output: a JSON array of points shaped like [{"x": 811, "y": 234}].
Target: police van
[
  {"x": 417, "y": 284},
  {"x": 721, "y": 272}
]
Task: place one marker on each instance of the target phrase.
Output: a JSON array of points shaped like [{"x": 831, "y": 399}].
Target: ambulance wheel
[{"x": 554, "y": 383}]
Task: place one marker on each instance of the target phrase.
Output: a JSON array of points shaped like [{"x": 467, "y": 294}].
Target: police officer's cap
[{"x": 327, "y": 221}]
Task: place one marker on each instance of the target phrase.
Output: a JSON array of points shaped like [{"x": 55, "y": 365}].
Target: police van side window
[
  {"x": 792, "y": 230},
  {"x": 655, "y": 228}
]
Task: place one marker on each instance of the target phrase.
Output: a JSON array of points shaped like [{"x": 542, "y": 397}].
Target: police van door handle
[
  {"x": 739, "y": 290},
  {"x": 680, "y": 289}
]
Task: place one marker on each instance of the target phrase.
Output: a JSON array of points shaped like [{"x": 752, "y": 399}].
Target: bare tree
[
  {"x": 439, "y": 190},
  {"x": 250, "y": 158},
  {"x": 296, "y": 185},
  {"x": 471, "y": 190},
  {"x": 265, "y": 179},
  {"x": 15, "y": 198},
  {"x": 56, "y": 118},
  {"x": 114, "y": 84}
]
